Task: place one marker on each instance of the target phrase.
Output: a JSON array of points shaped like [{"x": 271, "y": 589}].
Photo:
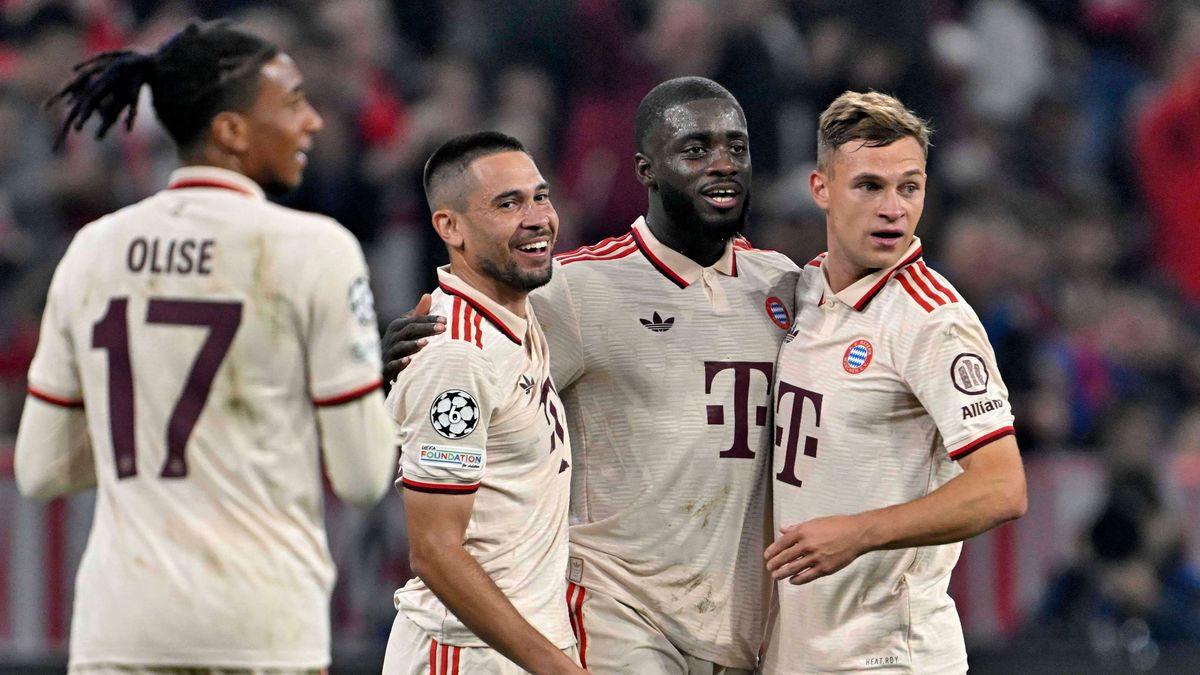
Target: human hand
[
  {"x": 407, "y": 335},
  {"x": 815, "y": 548}
]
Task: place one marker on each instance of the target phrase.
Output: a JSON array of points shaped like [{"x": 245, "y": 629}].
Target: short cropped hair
[
  {"x": 453, "y": 157},
  {"x": 874, "y": 118},
  {"x": 671, "y": 93}
]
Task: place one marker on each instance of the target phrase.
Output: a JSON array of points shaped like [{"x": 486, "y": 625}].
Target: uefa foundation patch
[
  {"x": 450, "y": 458},
  {"x": 857, "y": 356}
]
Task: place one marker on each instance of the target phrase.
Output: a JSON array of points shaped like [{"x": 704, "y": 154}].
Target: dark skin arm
[{"x": 407, "y": 335}]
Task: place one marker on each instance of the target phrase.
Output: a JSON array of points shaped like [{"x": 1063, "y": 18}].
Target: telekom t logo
[
  {"x": 743, "y": 373},
  {"x": 799, "y": 396}
]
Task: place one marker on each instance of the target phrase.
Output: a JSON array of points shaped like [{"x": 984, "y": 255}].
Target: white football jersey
[
  {"x": 199, "y": 328},
  {"x": 665, "y": 368},
  {"x": 879, "y": 389},
  {"x": 479, "y": 414}
]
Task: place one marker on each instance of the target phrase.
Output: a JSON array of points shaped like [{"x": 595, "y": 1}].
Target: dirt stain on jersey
[
  {"x": 268, "y": 302},
  {"x": 235, "y": 402},
  {"x": 703, "y": 509}
]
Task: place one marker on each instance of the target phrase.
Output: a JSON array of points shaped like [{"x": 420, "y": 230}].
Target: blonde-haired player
[{"x": 895, "y": 437}]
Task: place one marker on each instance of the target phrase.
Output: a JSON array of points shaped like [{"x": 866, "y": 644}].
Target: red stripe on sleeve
[
  {"x": 478, "y": 331},
  {"x": 454, "y": 318},
  {"x": 445, "y": 665},
  {"x": 570, "y": 614},
  {"x": 980, "y": 442},
  {"x": 467, "y": 317},
  {"x": 433, "y": 657},
  {"x": 352, "y": 395},
  {"x": 916, "y": 278},
  {"x": 936, "y": 284},
  {"x": 54, "y": 400},
  {"x": 913, "y": 292},
  {"x": 457, "y": 657}
]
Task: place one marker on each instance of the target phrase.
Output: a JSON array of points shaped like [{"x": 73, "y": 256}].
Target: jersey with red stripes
[
  {"x": 477, "y": 412},
  {"x": 665, "y": 367},
  {"x": 201, "y": 328},
  {"x": 880, "y": 388}
]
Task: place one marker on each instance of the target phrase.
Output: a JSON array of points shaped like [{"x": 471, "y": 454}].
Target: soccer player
[
  {"x": 485, "y": 464},
  {"x": 664, "y": 341},
  {"x": 895, "y": 438},
  {"x": 197, "y": 351}
]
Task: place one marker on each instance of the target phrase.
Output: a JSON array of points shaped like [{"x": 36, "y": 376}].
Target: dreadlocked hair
[{"x": 202, "y": 70}]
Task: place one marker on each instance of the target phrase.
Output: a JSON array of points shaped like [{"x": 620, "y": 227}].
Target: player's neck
[
  {"x": 496, "y": 291},
  {"x": 210, "y": 156},
  {"x": 841, "y": 274},
  {"x": 700, "y": 247}
]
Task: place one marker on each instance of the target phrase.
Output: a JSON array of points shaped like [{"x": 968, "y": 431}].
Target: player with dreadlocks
[{"x": 197, "y": 350}]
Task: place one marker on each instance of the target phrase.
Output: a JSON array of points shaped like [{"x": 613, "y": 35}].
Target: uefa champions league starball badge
[{"x": 454, "y": 414}]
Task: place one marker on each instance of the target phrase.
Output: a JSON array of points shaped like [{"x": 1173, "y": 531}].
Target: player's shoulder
[
  {"x": 600, "y": 254},
  {"x": 749, "y": 254},
  {"x": 472, "y": 331},
  {"x": 304, "y": 224},
  {"x": 925, "y": 295}
]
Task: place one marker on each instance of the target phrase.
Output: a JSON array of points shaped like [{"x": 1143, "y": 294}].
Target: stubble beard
[
  {"x": 514, "y": 277},
  {"x": 682, "y": 210}
]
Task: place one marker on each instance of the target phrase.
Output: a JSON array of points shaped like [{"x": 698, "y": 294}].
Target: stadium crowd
[{"x": 1064, "y": 198}]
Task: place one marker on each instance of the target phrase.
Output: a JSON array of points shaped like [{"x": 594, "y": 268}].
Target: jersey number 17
[{"x": 111, "y": 333}]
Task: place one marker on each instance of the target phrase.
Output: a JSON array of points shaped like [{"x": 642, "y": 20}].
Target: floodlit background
[{"x": 1064, "y": 203}]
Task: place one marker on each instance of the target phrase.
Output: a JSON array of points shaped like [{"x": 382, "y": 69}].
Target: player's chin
[{"x": 537, "y": 277}]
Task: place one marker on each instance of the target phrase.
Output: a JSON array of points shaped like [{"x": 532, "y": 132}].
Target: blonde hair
[{"x": 874, "y": 118}]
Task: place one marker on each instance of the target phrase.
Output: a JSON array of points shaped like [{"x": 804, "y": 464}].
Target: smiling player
[{"x": 485, "y": 458}]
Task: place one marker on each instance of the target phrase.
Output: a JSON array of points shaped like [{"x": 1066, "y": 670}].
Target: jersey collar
[
  {"x": 680, "y": 269},
  {"x": 860, "y": 293},
  {"x": 513, "y": 326},
  {"x": 214, "y": 178}
]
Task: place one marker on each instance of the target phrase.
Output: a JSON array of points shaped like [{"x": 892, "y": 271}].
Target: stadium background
[{"x": 1064, "y": 203}]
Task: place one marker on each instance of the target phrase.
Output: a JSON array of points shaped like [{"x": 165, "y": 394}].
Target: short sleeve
[
  {"x": 343, "y": 336},
  {"x": 555, "y": 309},
  {"x": 950, "y": 366},
  {"x": 442, "y": 404},
  {"x": 54, "y": 373}
]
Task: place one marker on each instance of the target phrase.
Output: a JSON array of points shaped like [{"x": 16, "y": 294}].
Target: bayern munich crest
[
  {"x": 454, "y": 414},
  {"x": 778, "y": 312},
  {"x": 857, "y": 356}
]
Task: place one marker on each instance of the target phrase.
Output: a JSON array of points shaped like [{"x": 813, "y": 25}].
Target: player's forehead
[
  {"x": 904, "y": 157},
  {"x": 502, "y": 173},
  {"x": 279, "y": 76},
  {"x": 700, "y": 117}
]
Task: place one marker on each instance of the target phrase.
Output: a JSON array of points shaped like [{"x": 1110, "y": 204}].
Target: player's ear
[
  {"x": 448, "y": 226},
  {"x": 230, "y": 131},
  {"x": 644, "y": 169},
  {"x": 818, "y": 185}
]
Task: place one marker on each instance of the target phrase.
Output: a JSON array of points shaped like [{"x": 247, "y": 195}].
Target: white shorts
[
  {"x": 411, "y": 651},
  {"x": 616, "y": 638}
]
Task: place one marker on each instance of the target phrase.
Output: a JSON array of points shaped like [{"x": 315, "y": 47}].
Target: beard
[
  {"x": 682, "y": 209},
  {"x": 516, "y": 278}
]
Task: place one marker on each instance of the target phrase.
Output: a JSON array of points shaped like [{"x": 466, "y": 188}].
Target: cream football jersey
[
  {"x": 880, "y": 388},
  {"x": 665, "y": 368},
  {"x": 199, "y": 328},
  {"x": 478, "y": 413}
]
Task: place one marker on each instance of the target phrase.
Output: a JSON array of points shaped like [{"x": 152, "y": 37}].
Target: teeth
[{"x": 535, "y": 247}]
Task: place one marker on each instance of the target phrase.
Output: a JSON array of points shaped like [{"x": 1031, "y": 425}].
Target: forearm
[
  {"x": 968, "y": 505},
  {"x": 53, "y": 456},
  {"x": 359, "y": 448},
  {"x": 458, "y": 580}
]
